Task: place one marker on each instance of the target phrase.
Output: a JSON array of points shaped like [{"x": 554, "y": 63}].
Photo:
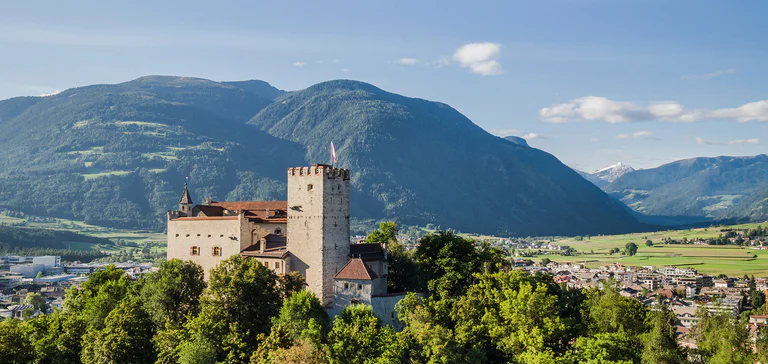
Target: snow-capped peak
[{"x": 612, "y": 172}]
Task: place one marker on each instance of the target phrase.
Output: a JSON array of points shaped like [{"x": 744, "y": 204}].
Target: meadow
[
  {"x": 731, "y": 260},
  {"x": 128, "y": 237}
]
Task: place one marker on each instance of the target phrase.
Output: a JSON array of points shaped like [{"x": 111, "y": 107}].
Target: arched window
[{"x": 278, "y": 231}]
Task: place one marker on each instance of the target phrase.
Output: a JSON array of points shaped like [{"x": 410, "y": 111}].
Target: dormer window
[{"x": 278, "y": 231}]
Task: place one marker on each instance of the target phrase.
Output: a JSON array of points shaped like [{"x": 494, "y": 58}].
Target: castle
[{"x": 308, "y": 234}]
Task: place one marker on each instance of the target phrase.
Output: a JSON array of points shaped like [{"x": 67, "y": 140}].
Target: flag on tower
[{"x": 333, "y": 153}]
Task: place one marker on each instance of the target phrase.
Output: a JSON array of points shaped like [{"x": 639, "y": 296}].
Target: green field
[
  {"x": 715, "y": 259},
  {"x": 134, "y": 236}
]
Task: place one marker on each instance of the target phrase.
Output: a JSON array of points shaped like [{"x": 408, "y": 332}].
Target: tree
[
  {"x": 298, "y": 312},
  {"x": 604, "y": 348},
  {"x": 721, "y": 338},
  {"x": 609, "y": 312},
  {"x": 385, "y": 234},
  {"x": 125, "y": 338},
  {"x": 448, "y": 262},
  {"x": 14, "y": 345},
  {"x": 509, "y": 315},
  {"x": 357, "y": 336},
  {"x": 403, "y": 271},
  {"x": 37, "y": 301},
  {"x": 291, "y": 283},
  {"x": 545, "y": 261},
  {"x": 98, "y": 296},
  {"x": 631, "y": 248},
  {"x": 173, "y": 292},
  {"x": 649, "y": 243},
  {"x": 241, "y": 298},
  {"x": 660, "y": 342}
]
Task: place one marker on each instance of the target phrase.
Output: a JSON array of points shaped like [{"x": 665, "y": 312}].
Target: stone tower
[
  {"x": 318, "y": 225},
  {"x": 185, "y": 203}
]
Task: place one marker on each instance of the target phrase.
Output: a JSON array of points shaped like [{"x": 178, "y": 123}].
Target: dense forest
[{"x": 473, "y": 309}]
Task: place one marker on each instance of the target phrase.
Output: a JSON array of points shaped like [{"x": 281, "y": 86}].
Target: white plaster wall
[{"x": 206, "y": 234}]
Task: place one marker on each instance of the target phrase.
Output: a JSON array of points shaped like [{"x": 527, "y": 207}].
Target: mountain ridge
[{"x": 117, "y": 155}]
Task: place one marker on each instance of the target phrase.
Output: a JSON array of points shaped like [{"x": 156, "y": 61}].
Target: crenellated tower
[{"x": 318, "y": 225}]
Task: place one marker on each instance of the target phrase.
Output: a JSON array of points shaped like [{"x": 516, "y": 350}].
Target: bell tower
[
  {"x": 318, "y": 225},
  {"x": 185, "y": 203}
]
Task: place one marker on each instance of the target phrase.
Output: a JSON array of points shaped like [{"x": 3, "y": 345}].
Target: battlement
[{"x": 319, "y": 169}]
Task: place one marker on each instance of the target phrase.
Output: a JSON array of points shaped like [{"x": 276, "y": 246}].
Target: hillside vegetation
[
  {"x": 117, "y": 155},
  {"x": 706, "y": 188}
]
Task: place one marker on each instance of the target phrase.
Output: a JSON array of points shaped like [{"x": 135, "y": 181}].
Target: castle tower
[
  {"x": 185, "y": 203},
  {"x": 318, "y": 225}
]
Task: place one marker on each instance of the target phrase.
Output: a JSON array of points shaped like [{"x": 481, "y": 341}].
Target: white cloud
[
  {"x": 711, "y": 75},
  {"x": 637, "y": 135},
  {"x": 50, "y": 93},
  {"x": 480, "y": 58},
  {"x": 751, "y": 141},
  {"x": 601, "y": 108},
  {"x": 505, "y": 132},
  {"x": 407, "y": 61},
  {"x": 532, "y": 136},
  {"x": 299, "y": 64},
  {"x": 594, "y": 140},
  {"x": 335, "y": 61},
  {"x": 345, "y": 70}
]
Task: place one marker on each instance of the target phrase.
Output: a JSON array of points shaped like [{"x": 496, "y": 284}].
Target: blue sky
[{"x": 592, "y": 82}]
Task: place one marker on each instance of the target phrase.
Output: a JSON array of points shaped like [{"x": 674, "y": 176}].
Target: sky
[{"x": 591, "y": 82}]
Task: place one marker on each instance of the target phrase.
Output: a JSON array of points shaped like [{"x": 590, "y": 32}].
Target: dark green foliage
[
  {"x": 125, "y": 338},
  {"x": 358, "y": 336},
  {"x": 660, "y": 342},
  {"x": 238, "y": 305},
  {"x": 15, "y": 347},
  {"x": 631, "y": 248},
  {"x": 173, "y": 292}
]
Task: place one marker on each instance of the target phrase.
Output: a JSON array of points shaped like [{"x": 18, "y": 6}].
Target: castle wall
[
  {"x": 318, "y": 225},
  {"x": 207, "y": 233},
  {"x": 384, "y": 308}
]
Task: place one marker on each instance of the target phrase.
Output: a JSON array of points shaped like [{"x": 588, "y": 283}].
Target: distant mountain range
[
  {"x": 118, "y": 155},
  {"x": 698, "y": 189},
  {"x": 602, "y": 177}
]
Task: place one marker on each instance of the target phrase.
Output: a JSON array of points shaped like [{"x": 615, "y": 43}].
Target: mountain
[
  {"x": 422, "y": 162},
  {"x": 604, "y": 176},
  {"x": 118, "y": 155},
  {"x": 705, "y": 188},
  {"x": 517, "y": 140}
]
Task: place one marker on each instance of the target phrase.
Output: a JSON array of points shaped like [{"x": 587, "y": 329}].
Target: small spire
[{"x": 185, "y": 197}]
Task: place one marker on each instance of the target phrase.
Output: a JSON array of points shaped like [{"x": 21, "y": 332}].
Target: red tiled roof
[
  {"x": 356, "y": 269},
  {"x": 256, "y": 209}
]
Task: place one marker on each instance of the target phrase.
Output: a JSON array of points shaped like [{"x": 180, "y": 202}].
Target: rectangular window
[
  {"x": 346, "y": 285},
  {"x": 359, "y": 286},
  {"x": 177, "y": 235},
  {"x": 195, "y": 250},
  {"x": 216, "y": 251},
  {"x": 277, "y": 265}
]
